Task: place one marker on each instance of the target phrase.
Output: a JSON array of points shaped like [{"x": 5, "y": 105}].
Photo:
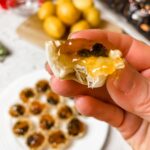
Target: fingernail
[
  {"x": 69, "y": 36},
  {"x": 123, "y": 79}
]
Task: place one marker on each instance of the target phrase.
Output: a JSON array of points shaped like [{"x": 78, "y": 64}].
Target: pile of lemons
[{"x": 61, "y": 17}]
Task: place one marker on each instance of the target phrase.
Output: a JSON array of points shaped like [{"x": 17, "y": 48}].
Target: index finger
[{"x": 136, "y": 52}]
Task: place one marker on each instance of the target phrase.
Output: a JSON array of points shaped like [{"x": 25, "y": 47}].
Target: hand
[{"x": 125, "y": 100}]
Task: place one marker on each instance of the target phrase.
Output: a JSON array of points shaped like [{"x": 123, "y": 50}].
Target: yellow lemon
[
  {"x": 47, "y": 9},
  {"x": 54, "y": 27},
  {"x": 62, "y": 1},
  {"x": 83, "y": 4},
  {"x": 93, "y": 16},
  {"x": 81, "y": 25},
  {"x": 67, "y": 13}
]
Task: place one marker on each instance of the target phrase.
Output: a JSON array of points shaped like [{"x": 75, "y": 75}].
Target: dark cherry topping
[
  {"x": 36, "y": 107},
  {"x": 46, "y": 122},
  {"x": 64, "y": 112},
  {"x": 21, "y": 127},
  {"x": 84, "y": 53},
  {"x": 72, "y": 46},
  {"x": 57, "y": 137},
  {"x": 17, "y": 110},
  {"x": 83, "y": 48},
  {"x": 42, "y": 86},
  {"x": 26, "y": 94},
  {"x": 98, "y": 50},
  {"x": 75, "y": 127},
  {"x": 52, "y": 98}
]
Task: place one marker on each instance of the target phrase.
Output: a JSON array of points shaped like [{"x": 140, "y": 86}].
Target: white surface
[
  {"x": 26, "y": 58},
  {"x": 115, "y": 141},
  {"x": 95, "y": 129}
]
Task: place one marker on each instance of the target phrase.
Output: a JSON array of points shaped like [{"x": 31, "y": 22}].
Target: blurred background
[{"x": 25, "y": 26}]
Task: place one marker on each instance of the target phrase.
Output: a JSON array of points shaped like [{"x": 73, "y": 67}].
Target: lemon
[
  {"x": 67, "y": 13},
  {"x": 83, "y": 4},
  {"x": 81, "y": 25},
  {"x": 62, "y": 1},
  {"x": 93, "y": 16},
  {"x": 47, "y": 9},
  {"x": 54, "y": 27}
]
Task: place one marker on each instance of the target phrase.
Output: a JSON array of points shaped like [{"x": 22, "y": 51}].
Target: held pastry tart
[{"x": 85, "y": 61}]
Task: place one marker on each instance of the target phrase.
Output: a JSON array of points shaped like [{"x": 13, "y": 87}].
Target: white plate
[{"x": 94, "y": 139}]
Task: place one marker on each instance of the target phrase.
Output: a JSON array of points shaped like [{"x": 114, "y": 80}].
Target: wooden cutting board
[{"x": 32, "y": 30}]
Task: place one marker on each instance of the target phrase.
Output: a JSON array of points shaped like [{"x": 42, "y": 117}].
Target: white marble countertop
[{"x": 25, "y": 58}]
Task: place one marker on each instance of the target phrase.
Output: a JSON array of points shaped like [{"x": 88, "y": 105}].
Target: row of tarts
[{"x": 45, "y": 120}]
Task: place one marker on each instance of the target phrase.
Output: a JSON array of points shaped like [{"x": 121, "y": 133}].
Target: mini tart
[
  {"x": 85, "y": 61},
  {"x": 37, "y": 108},
  {"x": 22, "y": 127},
  {"x": 42, "y": 86},
  {"x": 47, "y": 122},
  {"x": 57, "y": 140},
  {"x": 17, "y": 110},
  {"x": 52, "y": 98},
  {"x": 27, "y": 94},
  {"x": 75, "y": 128},
  {"x": 36, "y": 140},
  {"x": 64, "y": 112}
]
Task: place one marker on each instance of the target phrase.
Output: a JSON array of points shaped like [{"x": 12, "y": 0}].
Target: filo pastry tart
[
  {"x": 17, "y": 110},
  {"x": 76, "y": 128},
  {"x": 85, "y": 61},
  {"x": 36, "y": 140},
  {"x": 22, "y": 127},
  {"x": 58, "y": 140}
]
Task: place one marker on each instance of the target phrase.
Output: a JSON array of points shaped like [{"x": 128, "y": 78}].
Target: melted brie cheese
[
  {"x": 91, "y": 71},
  {"x": 95, "y": 66}
]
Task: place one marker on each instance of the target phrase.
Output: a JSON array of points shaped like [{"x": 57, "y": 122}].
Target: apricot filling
[{"x": 92, "y": 56}]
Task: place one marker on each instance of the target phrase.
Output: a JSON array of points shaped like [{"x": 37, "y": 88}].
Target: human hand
[{"x": 124, "y": 102}]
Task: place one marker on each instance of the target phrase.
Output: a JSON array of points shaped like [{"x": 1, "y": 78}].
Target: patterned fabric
[{"x": 137, "y": 12}]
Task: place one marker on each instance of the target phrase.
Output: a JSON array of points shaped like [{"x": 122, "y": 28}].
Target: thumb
[{"x": 131, "y": 91}]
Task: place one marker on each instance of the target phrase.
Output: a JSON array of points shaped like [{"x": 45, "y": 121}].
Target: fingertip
[
  {"x": 146, "y": 73},
  {"x": 122, "y": 80},
  {"x": 59, "y": 86},
  {"x": 66, "y": 87},
  {"x": 83, "y": 34},
  {"x": 83, "y": 105},
  {"x": 120, "y": 84},
  {"x": 73, "y": 35},
  {"x": 90, "y": 106},
  {"x": 129, "y": 89}
]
